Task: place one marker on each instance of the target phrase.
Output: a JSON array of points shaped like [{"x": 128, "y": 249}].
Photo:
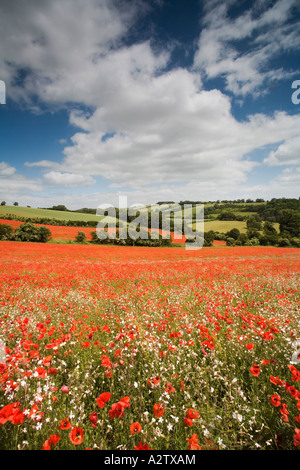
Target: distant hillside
[{"x": 59, "y": 215}]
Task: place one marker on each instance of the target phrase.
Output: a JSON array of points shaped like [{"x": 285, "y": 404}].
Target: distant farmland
[{"x": 46, "y": 213}]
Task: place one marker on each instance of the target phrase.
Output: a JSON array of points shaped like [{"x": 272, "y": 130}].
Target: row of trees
[
  {"x": 25, "y": 233},
  {"x": 51, "y": 221},
  {"x": 265, "y": 234}
]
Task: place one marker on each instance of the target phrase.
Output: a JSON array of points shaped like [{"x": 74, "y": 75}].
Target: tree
[
  {"x": 227, "y": 215},
  {"x": 80, "y": 237},
  {"x": 289, "y": 222},
  {"x": 269, "y": 236},
  {"x": 242, "y": 239},
  {"x": 6, "y": 232},
  {"x": 16, "y": 203},
  {"x": 29, "y": 232},
  {"x": 3, "y": 203},
  {"x": 254, "y": 222},
  {"x": 233, "y": 233},
  {"x": 60, "y": 207},
  {"x": 230, "y": 241}
]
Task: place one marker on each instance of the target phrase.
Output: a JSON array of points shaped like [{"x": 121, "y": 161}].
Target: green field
[
  {"x": 46, "y": 213},
  {"x": 222, "y": 226}
]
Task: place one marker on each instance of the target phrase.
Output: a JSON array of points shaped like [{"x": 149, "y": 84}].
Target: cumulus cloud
[
  {"x": 57, "y": 178},
  {"x": 241, "y": 49},
  {"x": 288, "y": 153},
  {"x": 6, "y": 169}
]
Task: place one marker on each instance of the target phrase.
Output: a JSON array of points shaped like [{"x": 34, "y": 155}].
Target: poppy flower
[
  {"x": 154, "y": 381},
  {"x": 297, "y": 418},
  {"x": 158, "y": 410},
  {"x": 76, "y": 435},
  {"x": 295, "y": 373},
  {"x": 284, "y": 412},
  {"x": 53, "y": 439},
  {"x": 116, "y": 411},
  {"x": 193, "y": 442},
  {"x": 65, "y": 424},
  {"x": 297, "y": 437},
  {"x": 255, "y": 370},
  {"x": 65, "y": 389},
  {"x": 170, "y": 388},
  {"x": 275, "y": 400},
  {"x": 142, "y": 446},
  {"x": 102, "y": 399},
  {"x": 93, "y": 419},
  {"x": 192, "y": 414},
  {"x": 135, "y": 427}
]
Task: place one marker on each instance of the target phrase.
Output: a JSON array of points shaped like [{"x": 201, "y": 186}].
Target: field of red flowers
[
  {"x": 108, "y": 347},
  {"x": 62, "y": 233}
]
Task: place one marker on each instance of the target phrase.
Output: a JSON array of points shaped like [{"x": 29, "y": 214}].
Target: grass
[{"x": 46, "y": 213}]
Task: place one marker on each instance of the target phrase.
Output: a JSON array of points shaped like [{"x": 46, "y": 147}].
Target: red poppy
[
  {"x": 297, "y": 418},
  {"x": 53, "y": 439},
  {"x": 255, "y": 370},
  {"x": 135, "y": 427},
  {"x": 102, "y": 399},
  {"x": 12, "y": 413},
  {"x": 192, "y": 414},
  {"x": 297, "y": 437},
  {"x": 93, "y": 419},
  {"x": 46, "y": 361},
  {"x": 142, "y": 446},
  {"x": 76, "y": 435},
  {"x": 170, "y": 388},
  {"x": 158, "y": 410},
  {"x": 116, "y": 411},
  {"x": 284, "y": 412},
  {"x": 275, "y": 400},
  {"x": 193, "y": 442},
  {"x": 276, "y": 380},
  {"x": 295, "y": 373},
  {"x": 153, "y": 381},
  {"x": 65, "y": 424}
]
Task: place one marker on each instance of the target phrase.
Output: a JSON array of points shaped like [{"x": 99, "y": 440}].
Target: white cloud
[
  {"x": 146, "y": 126},
  {"x": 57, "y": 178},
  {"x": 6, "y": 169},
  {"x": 288, "y": 153},
  {"x": 246, "y": 70}
]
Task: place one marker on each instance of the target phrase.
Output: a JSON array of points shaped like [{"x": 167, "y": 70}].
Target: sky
[{"x": 148, "y": 100}]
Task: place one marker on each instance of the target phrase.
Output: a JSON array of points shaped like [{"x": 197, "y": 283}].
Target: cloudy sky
[{"x": 150, "y": 99}]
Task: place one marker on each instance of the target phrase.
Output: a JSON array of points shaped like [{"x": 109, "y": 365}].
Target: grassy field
[
  {"x": 51, "y": 214},
  {"x": 215, "y": 225}
]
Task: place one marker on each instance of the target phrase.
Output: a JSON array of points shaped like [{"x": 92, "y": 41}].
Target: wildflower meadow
[{"x": 140, "y": 348}]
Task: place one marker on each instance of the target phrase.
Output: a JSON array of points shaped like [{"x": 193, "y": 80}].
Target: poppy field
[{"x": 137, "y": 348}]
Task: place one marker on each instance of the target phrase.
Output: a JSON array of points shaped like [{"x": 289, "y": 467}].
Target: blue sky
[{"x": 150, "y": 99}]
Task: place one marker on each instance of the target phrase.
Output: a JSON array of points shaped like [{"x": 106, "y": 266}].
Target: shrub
[
  {"x": 80, "y": 237},
  {"x": 6, "y": 232},
  {"x": 31, "y": 233}
]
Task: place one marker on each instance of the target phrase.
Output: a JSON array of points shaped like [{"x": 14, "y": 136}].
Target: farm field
[
  {"x": 48, "y": 213},
  {"x": 108, "y": 347},
  {"x": 65, "y": 233}
]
